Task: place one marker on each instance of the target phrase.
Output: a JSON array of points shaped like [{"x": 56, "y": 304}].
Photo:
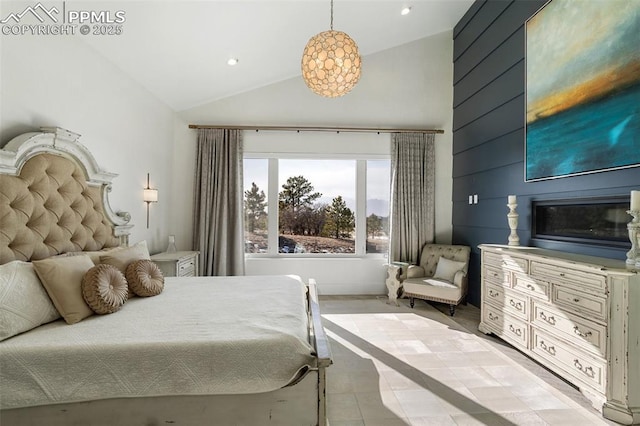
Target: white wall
[
  {"x": 184, "y": 161},
  {"x": 407, "y": 86},
  {"x": 61, "y": 81}
]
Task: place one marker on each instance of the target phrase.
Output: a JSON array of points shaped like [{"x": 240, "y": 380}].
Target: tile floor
[{"x": 402, "y": 366}]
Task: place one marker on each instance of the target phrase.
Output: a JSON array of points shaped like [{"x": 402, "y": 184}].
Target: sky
[{"x": 330, "y": 177}]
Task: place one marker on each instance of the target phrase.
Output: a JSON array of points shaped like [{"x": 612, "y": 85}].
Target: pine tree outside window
[{"x": 316, "y": 206}]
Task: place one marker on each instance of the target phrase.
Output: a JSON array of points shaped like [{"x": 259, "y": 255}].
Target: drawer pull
[
  {"x": 492, "y": 317},
  {"x": 530, "y": 287},
  {"x": 562, "y": 274},
  {"x": 550, "y": 349},
  {"x": 576, "y": 299},
  {"x": 514, "y": 330},
  {"x": 580, "y": 333},
  {"x": 517, "y": 305},
  {"x": 551, "y": 320},
  {"x": 493, "y": 293},
  {"x": 588, "y": 370},
  {"x": 190, "y": 264}
]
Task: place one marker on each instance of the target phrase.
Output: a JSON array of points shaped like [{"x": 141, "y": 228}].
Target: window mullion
[
  {"x": 273, "y": 206},
  {"x": 361, "y": 207}
]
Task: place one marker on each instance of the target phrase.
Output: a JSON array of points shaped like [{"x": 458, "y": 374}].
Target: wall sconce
[{"x": 149, "y": 196}]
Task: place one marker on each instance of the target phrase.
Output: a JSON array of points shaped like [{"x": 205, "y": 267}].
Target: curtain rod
[{"x": 317, "y": 129}]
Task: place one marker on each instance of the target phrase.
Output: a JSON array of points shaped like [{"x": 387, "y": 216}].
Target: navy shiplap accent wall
[{"x": 488, "y": 137}]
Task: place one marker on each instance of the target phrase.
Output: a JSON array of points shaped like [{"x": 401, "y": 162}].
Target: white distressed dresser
[{"x": 577, "y": 315}]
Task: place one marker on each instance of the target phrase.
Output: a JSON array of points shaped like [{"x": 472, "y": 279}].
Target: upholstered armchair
[{"x": 441, "y": 275}]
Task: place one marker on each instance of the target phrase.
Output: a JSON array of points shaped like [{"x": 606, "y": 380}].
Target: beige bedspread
[{"x": 201, "y": 335}]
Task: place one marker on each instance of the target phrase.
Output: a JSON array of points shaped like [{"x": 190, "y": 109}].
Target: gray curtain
[
  {"x": 218, "y": 228},
  {"x": 412, "y": 195}
]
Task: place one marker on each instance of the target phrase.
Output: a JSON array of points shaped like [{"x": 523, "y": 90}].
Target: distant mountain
[
  {"x": 378, "y": 207},
  {"x": 374, "y": 205}
]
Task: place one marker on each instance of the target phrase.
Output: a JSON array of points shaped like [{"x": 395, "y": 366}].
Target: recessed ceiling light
[
  {"x": 405, "y": 10},
  {"x": 232, "y": 61}
]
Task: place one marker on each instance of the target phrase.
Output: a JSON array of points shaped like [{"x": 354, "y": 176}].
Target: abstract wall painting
[{"x": 583, "y": 88}]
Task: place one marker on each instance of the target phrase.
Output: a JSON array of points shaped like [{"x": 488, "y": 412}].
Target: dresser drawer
[
  {"x": 505, "y": 326},
  {"x": 508, "y": 261},
  {"x": 494, "y": 294},
  {"x": 530, "y": 286},
  {"x": 496, "y": 276},
  {"x": 511, "y": 302},
  {"x": 578, "y": 331},
  {"x": 583, "y": 280},
  {"x": 579, "y": 366},
  {"x": 516, "y": 304},
  {"x": 579, "y": 302}
]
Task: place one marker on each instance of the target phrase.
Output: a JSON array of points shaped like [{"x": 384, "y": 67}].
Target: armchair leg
[
  {"x": 412, "y": 301},
  {"x": 452, "y": 309}
]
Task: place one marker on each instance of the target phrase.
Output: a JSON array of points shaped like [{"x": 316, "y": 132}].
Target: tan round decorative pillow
[
  {"x": 145, "y": 278},
  {"x": 104, "y": 289}
]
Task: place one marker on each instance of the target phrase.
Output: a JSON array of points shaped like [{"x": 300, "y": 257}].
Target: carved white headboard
[{"x": 54, "y": 198}]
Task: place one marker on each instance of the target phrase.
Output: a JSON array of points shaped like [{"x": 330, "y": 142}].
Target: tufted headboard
[{"x": 53, "y": 198}]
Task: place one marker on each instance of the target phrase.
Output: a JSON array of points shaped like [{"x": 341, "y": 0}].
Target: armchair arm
[
  {"x": 414, "y": 271},
  {"x": 460, "y": 280}
]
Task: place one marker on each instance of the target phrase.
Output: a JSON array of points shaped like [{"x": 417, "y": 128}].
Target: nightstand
[{"x": 178, "y": 263}]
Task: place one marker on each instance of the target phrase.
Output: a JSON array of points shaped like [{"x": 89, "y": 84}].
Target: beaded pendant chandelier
[{"x": 331, "y": 63}]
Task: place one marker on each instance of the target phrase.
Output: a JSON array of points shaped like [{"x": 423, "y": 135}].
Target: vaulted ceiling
[{"x": 179, "y": 49}]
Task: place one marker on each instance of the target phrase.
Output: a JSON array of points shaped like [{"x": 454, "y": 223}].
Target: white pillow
[
  {"x": 24, "y": 303},
  {"x": 446, "y": 269},
  {"x": 62, "y": 279},
  {"x": 122, "y": 257}
]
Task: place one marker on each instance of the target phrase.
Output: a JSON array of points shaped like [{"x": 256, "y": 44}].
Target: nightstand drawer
[{"x": 187, "y": 267}]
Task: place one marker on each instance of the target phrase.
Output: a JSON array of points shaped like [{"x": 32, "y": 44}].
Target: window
[
  {"x": 256, "y": 211},
  {"x": 378, "y": 190},
  {"x": 316, "y": 206}
]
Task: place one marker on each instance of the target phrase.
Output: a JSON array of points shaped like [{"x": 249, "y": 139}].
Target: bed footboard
[
  {"x": 322, "y": 347},
  {"x": 289, "y": 406}
]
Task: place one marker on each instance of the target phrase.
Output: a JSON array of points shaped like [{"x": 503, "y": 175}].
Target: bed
[{"x": 203, "y": 350}]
